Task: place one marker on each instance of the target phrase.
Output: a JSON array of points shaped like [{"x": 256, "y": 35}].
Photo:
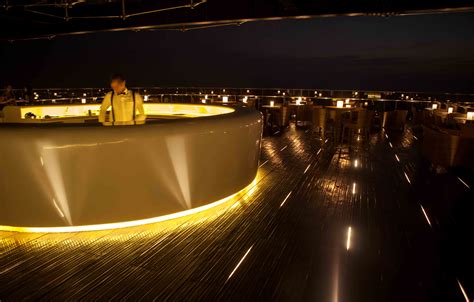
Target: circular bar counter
[{"x": 72, "y": 177}]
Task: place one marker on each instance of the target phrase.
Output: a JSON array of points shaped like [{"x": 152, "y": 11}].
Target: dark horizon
[{"x": 431, "y": 53}]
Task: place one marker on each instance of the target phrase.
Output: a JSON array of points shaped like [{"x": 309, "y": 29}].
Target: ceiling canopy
[{"x": 42, "y": 19}]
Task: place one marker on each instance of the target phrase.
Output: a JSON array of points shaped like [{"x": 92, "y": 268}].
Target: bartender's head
[{"x": 117, "y": 83}]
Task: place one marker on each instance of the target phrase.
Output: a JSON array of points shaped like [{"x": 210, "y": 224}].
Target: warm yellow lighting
[
  {"x": 55, "y": 94},
  {"x": 84, "y": 94},
  {"x": 320, "y": 94},
  {"x": 348, "y": 101},
  {"x": 119, "y": 225},
  {"x": 426, "y": 216},
  {"x": 298, "y": 101},
  {"x": 203, "y": 101},
  {"x": 248, "y": 91},
  {"x": 284, "y": 93},
  {"x": 470, "y": 115},
  {"x": 225, "y": 99},
  {"x": 450, "y": 109},
  {"x": 349, "y": 234},
  {"x": 272, "y": 103},
  {"x": 348, "y": 106},
  {"x": 240, "y": 262},
  {"x": 340, "y": 104},
  {"x": 356, "y": 93},
  {"x": 286, "y": 198},
  {"x": 83, "y": 101},
  {"x": 366, "y": 104},
  {"x": 434, "y": 106},
  {"x": 245, "y": 99},
  {"x": 406, "y": 97},
  {"x": 145, "y": 98},
  {"x": 278, "y": 91}
]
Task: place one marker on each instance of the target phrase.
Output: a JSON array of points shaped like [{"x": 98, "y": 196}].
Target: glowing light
[
  {"x": 272, "y": 103},
  {"x": 320, "y": 94},
  {"x": 356, "y": 163},
  {"x": 450, "y": 110},
  {"x": 406, "y": 176},
  {"x": 55, "y": 94},
  {"x": 434, "y": 106},
  {"x": 248, "y": 91},
  {"x": 84, "y": 94},
  {"x": 284, "y": 200},
  {"x": 263, "y": 163},
  {"x": 463, "y": 291},
  {"x": 240, "y": 262},
  {"x": 83, "y": 101},
  {"x": 348, "y": 106},
  {"x": 298, "y": 101},
  {"x": 119, "y": 225},
  {"x": 391, "y": 146},
  {"x": 225, "y": 99},
  {"x": 284, "y": 148},
  {"x": 348, "y": 101},
  {"x": 426, "y": 216},
  {"x": 205, "y": 97},
  {"x": 278, "y": 91},
  {"x": 319, "y": 151},
  {"x": 464, "y": 183},
  {"x": 145, "y": 98},
  {"x": 396, "y": 157},
  {"x": 245, "y": 99},
  {"x": 353, "y": 188},
  {"x": 306, "y": 170},
  {"x": 366, "y": 104},
  {"x": 470, "y": 115},
  {"x": 340, "y": 104},
  {"x": 203, "y": 101},
  {"x": 349, "y": 234}
]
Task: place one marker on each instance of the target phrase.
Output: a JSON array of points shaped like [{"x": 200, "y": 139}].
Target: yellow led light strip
[{"x": 133, "y": 223}]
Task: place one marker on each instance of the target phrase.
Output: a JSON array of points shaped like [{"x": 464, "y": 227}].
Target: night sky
[{"x": 415, "y": 53}]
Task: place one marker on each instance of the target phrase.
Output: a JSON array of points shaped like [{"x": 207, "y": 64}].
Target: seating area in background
[
  {"x": 448, "y": 135},
  {"x": 448, "y": 129}
]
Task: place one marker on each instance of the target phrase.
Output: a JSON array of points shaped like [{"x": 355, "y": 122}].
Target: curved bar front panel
[{"x": 76, "y": 175}]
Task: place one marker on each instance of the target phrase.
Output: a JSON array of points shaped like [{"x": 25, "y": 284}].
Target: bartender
[{"x": 126, "y": 106}]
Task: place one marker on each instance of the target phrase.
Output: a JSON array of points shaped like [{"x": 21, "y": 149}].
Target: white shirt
[{"x": 122, "y": 111}]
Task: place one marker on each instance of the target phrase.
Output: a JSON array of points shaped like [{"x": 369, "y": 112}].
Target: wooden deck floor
[{"x": 323, "y": 223}]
